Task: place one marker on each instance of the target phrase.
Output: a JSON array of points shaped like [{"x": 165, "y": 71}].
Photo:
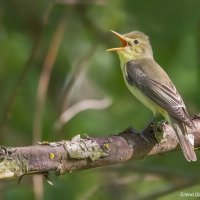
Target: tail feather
[
  {"x": 187, "y": 148},
  {"x": 186, "y": 144}
]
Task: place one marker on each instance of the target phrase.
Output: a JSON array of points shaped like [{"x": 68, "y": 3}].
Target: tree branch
[{"x": 82, "y": 153}]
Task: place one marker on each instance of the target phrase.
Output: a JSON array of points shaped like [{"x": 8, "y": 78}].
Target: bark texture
[{"x": 86, "y": 152}]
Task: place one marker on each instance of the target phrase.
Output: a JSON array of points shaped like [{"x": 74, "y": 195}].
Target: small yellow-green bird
[{"x": 150, "y": 84}]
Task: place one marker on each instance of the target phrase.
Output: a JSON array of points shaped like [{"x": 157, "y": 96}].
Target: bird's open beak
[{"x": 121, "y": 38}]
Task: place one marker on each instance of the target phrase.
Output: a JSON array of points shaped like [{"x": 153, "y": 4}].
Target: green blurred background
[{"x": 77, "y": 35}]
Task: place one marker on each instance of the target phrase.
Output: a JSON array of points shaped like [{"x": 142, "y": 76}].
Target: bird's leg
[
  {"x": 149, "y": 123},
  {"x": 141, "y": 132}
]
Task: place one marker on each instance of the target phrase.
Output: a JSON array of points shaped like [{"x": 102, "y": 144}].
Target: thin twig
[
  {"x": 81, "y": 2},
  {"x": 45, "y": 76},
  {"x": 80, "y": 107},
  {"x": 33, "y": 56},
  {"x": 38, "y": 187},
  {"x": 20, "y": 81},
  {"x": 77, "y": 69}
]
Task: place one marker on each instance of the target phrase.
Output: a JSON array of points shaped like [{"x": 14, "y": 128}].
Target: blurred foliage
[{"x": 27, "y": 27}]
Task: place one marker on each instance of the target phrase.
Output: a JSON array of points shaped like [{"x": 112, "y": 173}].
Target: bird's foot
[{"x": 140, "y": 134}]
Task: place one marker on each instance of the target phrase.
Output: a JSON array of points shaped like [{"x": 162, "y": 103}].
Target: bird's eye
[{"x": 136, "y": 42}]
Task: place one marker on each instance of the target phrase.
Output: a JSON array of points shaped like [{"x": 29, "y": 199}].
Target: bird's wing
[{"x": 165, "y": 95}]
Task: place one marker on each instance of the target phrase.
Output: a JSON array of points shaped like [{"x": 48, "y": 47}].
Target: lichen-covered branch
[{"x": 86, "y": 152}]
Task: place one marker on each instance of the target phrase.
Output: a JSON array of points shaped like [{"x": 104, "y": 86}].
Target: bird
[{"x": 151, "y": 85}]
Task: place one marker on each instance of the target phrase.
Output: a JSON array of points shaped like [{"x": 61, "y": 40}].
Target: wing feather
[{"x": 165, "y": 95}]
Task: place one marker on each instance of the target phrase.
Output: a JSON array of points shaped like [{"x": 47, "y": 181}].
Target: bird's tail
[{"x": 186, "y": 140}]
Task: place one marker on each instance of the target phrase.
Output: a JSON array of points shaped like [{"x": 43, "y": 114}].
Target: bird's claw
[
  {"x": 140, "y": 134},
  {"x": 144, "y": 138}
]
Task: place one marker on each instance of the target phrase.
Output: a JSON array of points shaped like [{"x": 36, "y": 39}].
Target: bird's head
[{"x": 135, "y": 45}]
